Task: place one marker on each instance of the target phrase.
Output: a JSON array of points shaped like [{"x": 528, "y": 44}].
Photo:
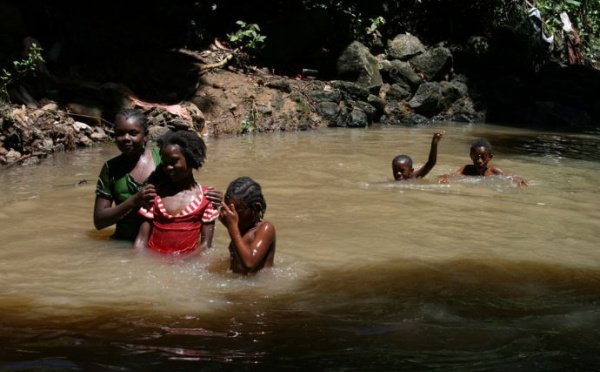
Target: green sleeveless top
[{"x": 116, "y": 184}]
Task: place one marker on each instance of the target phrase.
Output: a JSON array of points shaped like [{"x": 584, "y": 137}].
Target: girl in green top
[{"x": 123, "y": 185}]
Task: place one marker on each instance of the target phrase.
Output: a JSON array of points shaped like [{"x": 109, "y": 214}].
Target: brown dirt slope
[{"x": 234, "y": 102}]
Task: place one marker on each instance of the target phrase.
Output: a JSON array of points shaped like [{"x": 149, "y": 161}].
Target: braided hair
[
  {"x": 250, "y": 192},
  {"x": 132, "y": 113},
  {"x": 191, "y": 145}
]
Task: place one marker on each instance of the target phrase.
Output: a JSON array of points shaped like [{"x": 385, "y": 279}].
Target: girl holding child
[
  {"x": 182, "y": 220},
  {"x": 124, "y": 182}
]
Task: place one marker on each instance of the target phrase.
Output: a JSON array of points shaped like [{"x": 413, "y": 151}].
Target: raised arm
[{"x": 422, "y": 172}]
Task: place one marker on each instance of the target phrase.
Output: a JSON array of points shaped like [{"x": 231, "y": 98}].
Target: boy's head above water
[
  {"x": 402, "y": 167},
  {"x": 481, "y": 153}
]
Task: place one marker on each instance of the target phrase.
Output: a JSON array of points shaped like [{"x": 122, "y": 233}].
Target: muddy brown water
[{"x": 476, "y": 275}]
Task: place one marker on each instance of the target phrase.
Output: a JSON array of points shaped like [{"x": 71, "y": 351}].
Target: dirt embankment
[{"x": 227, "y": 102}]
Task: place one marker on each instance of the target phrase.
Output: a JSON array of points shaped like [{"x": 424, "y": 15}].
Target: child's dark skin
[
  {"x": 253, "y": 240},
  {"x": 177, "y": 194},
  {"x": 481, "y": 156},
  {"x": 130, "y": 137},
  {"x": 402, "y": 165}
]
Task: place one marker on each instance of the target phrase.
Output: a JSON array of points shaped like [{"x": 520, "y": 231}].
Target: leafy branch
[{"x": 20, "y": 69}]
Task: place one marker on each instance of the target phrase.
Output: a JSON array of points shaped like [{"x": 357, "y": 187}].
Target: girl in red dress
[{"x": 181, "y": 219}]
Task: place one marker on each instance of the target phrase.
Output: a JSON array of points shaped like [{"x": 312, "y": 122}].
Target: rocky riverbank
[{"x": 217, "y": 94}]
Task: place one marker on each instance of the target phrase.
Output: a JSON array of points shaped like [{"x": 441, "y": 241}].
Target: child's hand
[
  {"x": 443, "y": 179},
  {"x": 213, "y": 195},
  {"x": 228, "y": 215},
  {"x": 518, "y": 181},
  {"x": 145, "y": 197},
  {"x": 437, "y": 137}
]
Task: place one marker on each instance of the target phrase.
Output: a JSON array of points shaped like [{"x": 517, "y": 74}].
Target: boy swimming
[
  {"x": 402, "y": 165},
  {"x": 481, "y": 155}
]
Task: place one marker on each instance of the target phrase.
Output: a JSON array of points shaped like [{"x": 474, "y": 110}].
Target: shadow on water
[
  {"x": 457, "y": 315},
  {"x": 573, "y": 146}
]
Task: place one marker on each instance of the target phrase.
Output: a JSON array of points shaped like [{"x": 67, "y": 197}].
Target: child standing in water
[
  {"x": 181, "y": 220},
  {"x": 481, "y": 155},
  {"x": 402, "y": 165},
  {"x": 122, "y": 185},
  {"x": 253, "y": 239}
]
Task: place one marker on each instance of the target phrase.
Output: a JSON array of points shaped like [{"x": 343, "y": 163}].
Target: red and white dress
[{"x": 177, "y": 234}]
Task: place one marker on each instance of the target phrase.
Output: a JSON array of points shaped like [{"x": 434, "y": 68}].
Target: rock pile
[{"x": 31, "y": 134}]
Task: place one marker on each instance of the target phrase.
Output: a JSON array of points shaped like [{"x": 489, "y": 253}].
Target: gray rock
[
  {"x": 357, "y": 64},
  {"x": 404, "y": 47}
]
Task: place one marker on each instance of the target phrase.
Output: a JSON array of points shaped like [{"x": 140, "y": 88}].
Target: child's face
[
  {"x": 402, "y": 170},
  {"x": 174, "y": 163},
  {"x": 245, "y": 214},
  {"x": 129, "y": 136},
  {"x": 481, "y": 156}
]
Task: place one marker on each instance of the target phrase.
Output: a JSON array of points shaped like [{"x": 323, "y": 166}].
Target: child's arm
[
  {"x": 105, "y": 214},
  {"x": 141, "y": 241},
  {"x": 253, "y": 254},
  {"x": 432, "y": 157},
  {"x": 497, "y": 171},
  {"x": 519, "y": 181},
  {"x": 445, "y": 178},
  {"x": 207, "y": 231},
  {"x": 213, "y": 195}
]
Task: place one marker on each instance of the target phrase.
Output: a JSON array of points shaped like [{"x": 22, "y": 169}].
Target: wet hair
[
  {"x": 131, "y": 113},
  {"x": 249, "y": 191},
  {"x": 191, "y": 145},
  {"x": 481, "y": 142},
  {"x": 403, "y": 159}
]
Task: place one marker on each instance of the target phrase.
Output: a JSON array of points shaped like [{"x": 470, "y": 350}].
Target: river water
[{"x": 370, "y": 275}]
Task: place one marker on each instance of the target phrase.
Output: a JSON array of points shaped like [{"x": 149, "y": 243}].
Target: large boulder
[
  {"x": 434, "y": 64},
  {"x": 401, "y": 72},
  {"x": 404, "y": 47},
  {"x": 358, "y": 65}
]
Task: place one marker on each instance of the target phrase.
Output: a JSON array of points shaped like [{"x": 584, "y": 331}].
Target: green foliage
[
  {"x": 247, "y": 126},
  {"x": 20, "y": 69},
  {"x": 248, "y": 36},
  {"x": 434, "y": 20},
  {"x": 584, "y": 15},
  {"x": 373, "y": 29},
  {"x": 358, "y": 22},
  {"x": 366, "y": 32}
]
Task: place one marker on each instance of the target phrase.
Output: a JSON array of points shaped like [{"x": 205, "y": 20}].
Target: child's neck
[
  {"x": 250, "y": 226},
  {"x": 132, "y": 160},
  {"x": 185, "y": 184}
]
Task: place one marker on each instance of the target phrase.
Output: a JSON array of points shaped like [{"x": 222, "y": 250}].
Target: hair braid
[{"x": 249, "y": 191}]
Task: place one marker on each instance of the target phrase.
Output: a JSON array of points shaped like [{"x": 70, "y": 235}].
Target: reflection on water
[
  {"x": 476, "y": 275},
  {"x": 583, "y": 147}
]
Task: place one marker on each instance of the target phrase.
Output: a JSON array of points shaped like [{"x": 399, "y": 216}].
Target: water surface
[{"x": 476, "y": 275}]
